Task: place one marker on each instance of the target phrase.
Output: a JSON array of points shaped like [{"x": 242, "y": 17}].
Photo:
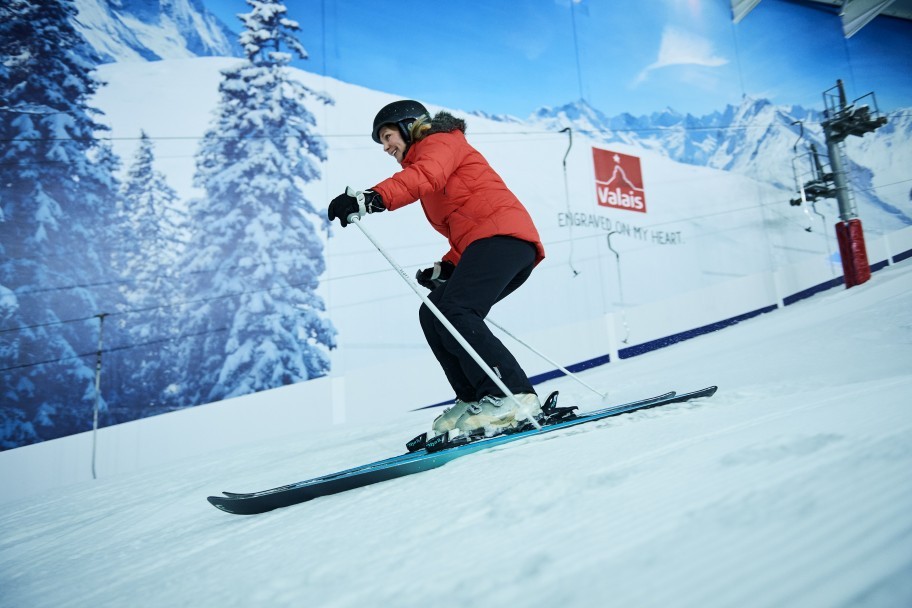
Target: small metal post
[
  {"x": 620, "y": 287},
  {"x": 569, "y": 133},
  {"x": 101, "y": 318}
]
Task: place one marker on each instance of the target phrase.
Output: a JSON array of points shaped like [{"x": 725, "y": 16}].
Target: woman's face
[{"x": 392, "y": 141}]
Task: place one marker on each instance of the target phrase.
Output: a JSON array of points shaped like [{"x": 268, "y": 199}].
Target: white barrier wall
[{"x": 899, "y": 244}]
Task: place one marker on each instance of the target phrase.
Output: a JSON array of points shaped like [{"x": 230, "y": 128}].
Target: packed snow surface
[{"x": 790, "y": 487}]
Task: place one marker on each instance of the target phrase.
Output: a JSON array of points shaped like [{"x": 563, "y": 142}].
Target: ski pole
[
  {"x": 356, "y": 220},
  {"x": 551, "y": 361}
]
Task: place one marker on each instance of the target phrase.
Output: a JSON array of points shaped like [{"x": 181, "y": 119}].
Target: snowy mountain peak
[
  {"x": 496, "y": 117},
  {"x": 572, "y": 111},
  {"x": 149, "y": 30},
  {"x": 667, "y": 118},
  {"x": 752, "y": 105},
  {"x": 578, "y": 114}
]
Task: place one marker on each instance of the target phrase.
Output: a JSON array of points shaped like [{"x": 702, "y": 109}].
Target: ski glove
[
  {"x": 354, "y": 203},
  {"x": 435, "y": 276}
]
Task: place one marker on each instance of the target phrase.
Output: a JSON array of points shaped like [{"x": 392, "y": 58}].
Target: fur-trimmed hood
[{"x": 444, "y": 122}]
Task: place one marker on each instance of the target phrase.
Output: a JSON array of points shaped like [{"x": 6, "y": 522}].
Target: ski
[
  {"x": 440, "y": 452},
  {"x": 551, "y": 414},
  {"x": 420, "y": 442}
]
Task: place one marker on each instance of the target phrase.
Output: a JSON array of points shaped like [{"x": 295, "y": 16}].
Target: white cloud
[{"x": 679, "y": 47}]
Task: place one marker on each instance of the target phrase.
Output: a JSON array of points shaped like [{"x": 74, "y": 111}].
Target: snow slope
[{"x": 790, "y": 487}]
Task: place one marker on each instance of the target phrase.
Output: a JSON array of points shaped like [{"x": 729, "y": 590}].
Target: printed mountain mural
[{"x": 149, "y": 30}]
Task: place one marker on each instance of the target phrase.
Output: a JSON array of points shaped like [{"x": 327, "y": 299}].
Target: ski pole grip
[{"x": 362, "y": 208}]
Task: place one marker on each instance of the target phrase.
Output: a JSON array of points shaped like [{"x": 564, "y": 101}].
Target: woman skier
[{"x": 494, "y": 246}]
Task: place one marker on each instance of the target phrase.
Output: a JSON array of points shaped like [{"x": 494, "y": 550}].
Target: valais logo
[{"x": 618, "y": 180}]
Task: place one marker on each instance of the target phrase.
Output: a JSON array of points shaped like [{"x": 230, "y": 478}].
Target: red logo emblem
[{"x": 618, "y": 180}]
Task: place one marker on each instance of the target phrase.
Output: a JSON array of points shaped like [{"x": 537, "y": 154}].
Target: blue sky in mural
[{"x": 494, "y": 56}]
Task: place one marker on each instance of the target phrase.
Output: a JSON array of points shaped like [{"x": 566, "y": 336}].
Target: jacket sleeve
[
  {"x": 451, "y": 256},
  {"x": 435, "y": 160}
]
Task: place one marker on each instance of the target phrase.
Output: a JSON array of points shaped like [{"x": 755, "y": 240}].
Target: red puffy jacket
[{"x": 463, "y": 198}]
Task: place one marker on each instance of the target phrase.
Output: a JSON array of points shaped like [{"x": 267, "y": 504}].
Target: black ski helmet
[{"x": 400, "y": 113}]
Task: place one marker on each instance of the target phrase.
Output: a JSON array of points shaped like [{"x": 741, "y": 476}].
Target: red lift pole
[{"x": 842, "y": 120}]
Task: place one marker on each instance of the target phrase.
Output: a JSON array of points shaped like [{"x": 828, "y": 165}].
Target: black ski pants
[{"x": 489, "y": 270}]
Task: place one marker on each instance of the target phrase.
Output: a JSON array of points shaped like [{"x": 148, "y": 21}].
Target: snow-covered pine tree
[
  {"x": 56, "y": 201},
  {"x": 153, "y": 235},
  {"x": 256, "y": 254}
]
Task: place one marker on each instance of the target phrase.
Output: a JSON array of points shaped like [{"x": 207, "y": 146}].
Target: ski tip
[
  {"x": 236, "y": 505},
  {"x": 218, "y": 502},
  {"x": 709, "y": 391}
]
